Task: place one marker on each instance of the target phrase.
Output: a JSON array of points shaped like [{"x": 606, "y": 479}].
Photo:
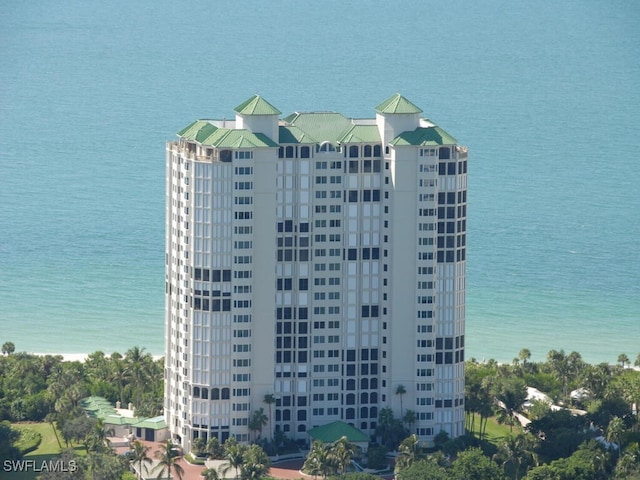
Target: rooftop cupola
[
  {"x": 396, "y": 115},
  {"x": 259, "y": 116}
]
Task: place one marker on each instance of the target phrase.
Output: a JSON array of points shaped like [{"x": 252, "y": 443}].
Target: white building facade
[{"x": 319, "y": 259}]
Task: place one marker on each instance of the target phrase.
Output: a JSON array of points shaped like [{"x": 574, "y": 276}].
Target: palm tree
[
  {"x": 400, "y": 390},
  {"x": 342, "y": 451},
  {"x": 512, "y": 392},
  {"x": 565, "y": 367},
  {"x": 98, "y": 440},
  {"x": 516, "y": 451},
  {"x": 51, "y": 420},
  {"x": 210, "y": 474},
  {"x": 138, "y": 362},
  {"x": 269, "y": 399},
  {"x": 485, "y": 410},
  {"x": 390, "y": 430},
  {"x": 319, "y": 461},
  {"x": 66, "y": 387},
  {"x": 168, "y": 460},
  {"x": 408, "y": 453},
  {"x": 257, "y": 421},
  {"x": 596, "y": 378},
  {"x": 623, "y": 359},
  {"x": 215, "y": 449},
  {"x": 614, "y": 432},
  {"x": 119, "y": 375},
  {"x": 409, "y": 418},
  {"x": 524, "y": 355},
  {"x": 234, "y": 454},
  {"x": 139, "y": 456},
  {"x": 256, "y": 464},
  {"x": 505, "y": 417}
]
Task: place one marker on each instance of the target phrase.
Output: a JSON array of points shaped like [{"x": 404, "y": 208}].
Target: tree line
[
  {"x": 588, "y": 429},
  {"x": 34, "y": 386}
]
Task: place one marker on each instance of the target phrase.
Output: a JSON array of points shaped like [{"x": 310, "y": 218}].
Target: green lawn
[
  {"x": 47, "y": 449},
  {"x": 49, "y": 444},
  {"x": 495, "y": 431}
]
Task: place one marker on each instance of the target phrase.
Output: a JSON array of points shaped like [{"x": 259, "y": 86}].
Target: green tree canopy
[{"x": 472, "y": 464}]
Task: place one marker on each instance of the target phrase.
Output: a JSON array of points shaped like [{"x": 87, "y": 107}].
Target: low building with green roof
[
  {"x": 123, "y": 421},
  {"x": 334, "y": 431}
]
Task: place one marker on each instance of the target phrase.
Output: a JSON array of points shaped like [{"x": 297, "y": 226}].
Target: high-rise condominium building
[{"x": 320, "y": 260}]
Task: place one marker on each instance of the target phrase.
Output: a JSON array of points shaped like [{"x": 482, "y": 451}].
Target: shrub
[
  {"x": 29, "y": 441},
  {"x": 377, "y": 458},
  {"x": 192, "y": 459}
]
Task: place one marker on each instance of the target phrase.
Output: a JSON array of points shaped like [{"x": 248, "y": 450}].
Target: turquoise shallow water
[{"x": 545, "y": 95}]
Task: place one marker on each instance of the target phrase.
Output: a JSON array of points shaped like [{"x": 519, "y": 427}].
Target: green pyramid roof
[
  {"x": 257, "y": 105},
  {"x": 190, "y": 131},
  {"x": 332, "y": 432},
  {"x": 397, "y": 104}
]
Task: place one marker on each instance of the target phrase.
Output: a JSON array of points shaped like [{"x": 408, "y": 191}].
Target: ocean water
[{"x": 545, "y": 94}]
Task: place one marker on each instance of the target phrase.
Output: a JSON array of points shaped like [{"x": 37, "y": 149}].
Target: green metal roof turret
[
  {"x": 256, "y": 105},
  {"x": 397, "y": 104}
]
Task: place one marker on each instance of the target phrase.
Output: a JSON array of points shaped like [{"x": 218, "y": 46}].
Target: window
[
  {"x": 326, "y": 147},
  {"x": 225, "y": 156}
]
